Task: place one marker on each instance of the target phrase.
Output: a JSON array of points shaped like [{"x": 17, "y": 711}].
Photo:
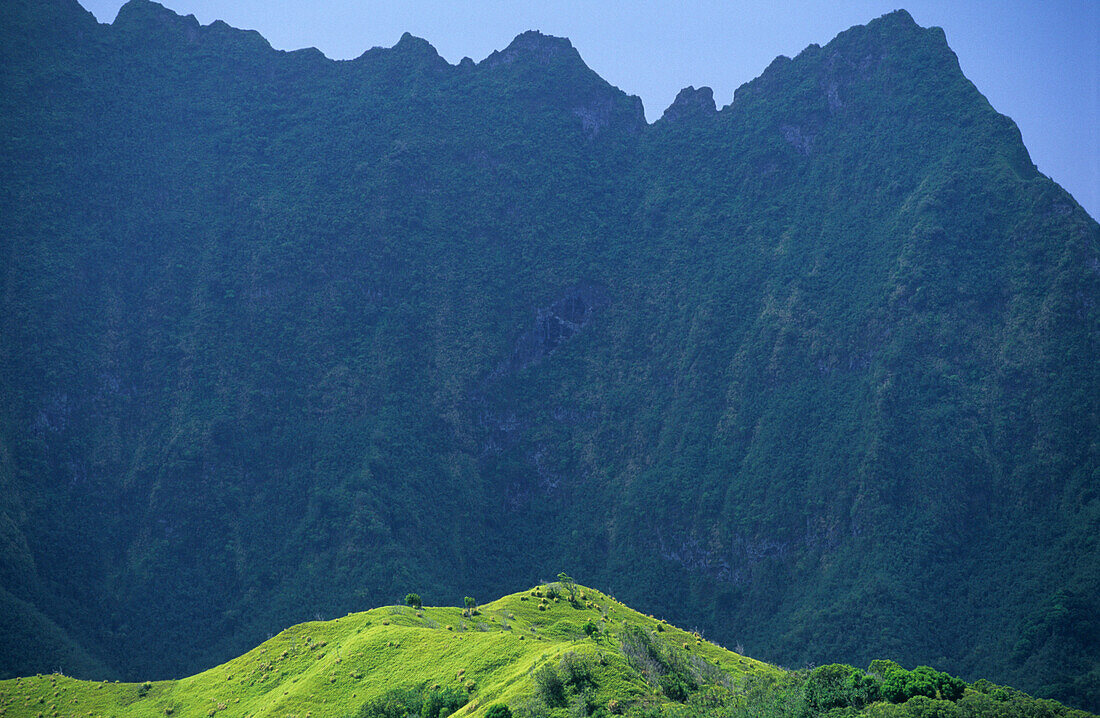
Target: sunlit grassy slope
[{"x": 331, "y": 668}]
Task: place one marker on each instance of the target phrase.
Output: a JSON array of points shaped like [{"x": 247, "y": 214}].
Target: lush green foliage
[
  {"x": 408, "y": 702},
  {"x": 282, "y": 337}
]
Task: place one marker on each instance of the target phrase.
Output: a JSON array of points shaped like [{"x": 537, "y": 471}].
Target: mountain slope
[{"x": 280, "y": 336}]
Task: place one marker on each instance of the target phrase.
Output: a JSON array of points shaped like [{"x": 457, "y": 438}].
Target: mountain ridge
[{"x": 704, "y": 362}]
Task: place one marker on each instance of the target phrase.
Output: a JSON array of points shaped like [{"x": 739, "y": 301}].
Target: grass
[{"x": 330, "y": 668}]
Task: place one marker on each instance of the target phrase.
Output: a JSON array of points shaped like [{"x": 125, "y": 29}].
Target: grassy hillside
[
  {"x": 553, "y": 650},
  {"x": 331, "y": 668}
]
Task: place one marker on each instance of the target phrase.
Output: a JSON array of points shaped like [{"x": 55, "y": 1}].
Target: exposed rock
[
  {"x": 557, "y": 324},
  {"x": 691, "y": 104},
  {"x": 802, "y": 140}
]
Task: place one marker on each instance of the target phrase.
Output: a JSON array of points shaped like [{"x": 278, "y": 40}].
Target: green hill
[
  {"x": 814, "y": 372},
  {"x": 546, "y": 652}
]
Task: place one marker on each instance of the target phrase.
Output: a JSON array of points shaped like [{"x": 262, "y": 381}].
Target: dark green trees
[
  {"x": 899, "y": 685},
  {"x": 839, "y": 686}
]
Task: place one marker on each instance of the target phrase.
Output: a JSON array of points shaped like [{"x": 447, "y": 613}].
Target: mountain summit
[{"x": 282, "y": 336}]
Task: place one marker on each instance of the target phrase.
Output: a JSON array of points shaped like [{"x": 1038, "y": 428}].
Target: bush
[
  {"x": 676, "y": 686},
  {"x": 838, "y": 686},
  {"x": 402, "y": 702},
  {"x": 498, "y": 710},
  {"x": 900, "y": 685},
  {"x": 413, "y": 599},
  {"x": 549, "y": 686},
  {"x": 577, "y": 671}
]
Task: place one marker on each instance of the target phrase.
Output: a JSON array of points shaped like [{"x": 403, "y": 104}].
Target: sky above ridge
[{"x": 1036, "y": 61}]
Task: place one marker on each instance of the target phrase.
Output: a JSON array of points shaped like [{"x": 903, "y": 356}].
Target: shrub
[
  {"x": 642, "y": 654},
  {"x": 549, "y": 686},
  {"x": 590, "y": 628},
  {"x": 498, "y": 710},
  {"x": 413, "y": 599},
  {"x": 401, "y": 702},
  {"x": 577, "y": 671},
  {"x": 838, "y": 686},
  {"x": 675, "y": 686},
  {"x": 900, "y": 685}
]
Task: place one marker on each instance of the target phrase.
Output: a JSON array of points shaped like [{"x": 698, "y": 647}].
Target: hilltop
[{"x": 554, "y": 650}]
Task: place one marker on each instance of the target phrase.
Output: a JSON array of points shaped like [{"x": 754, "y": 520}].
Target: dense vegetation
[
  {"x": 527, "y": 655},
  {"x": 281, "y": 337}
]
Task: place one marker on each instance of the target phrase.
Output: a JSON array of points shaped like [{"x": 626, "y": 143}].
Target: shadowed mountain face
[{"x": 284, "y": 337}]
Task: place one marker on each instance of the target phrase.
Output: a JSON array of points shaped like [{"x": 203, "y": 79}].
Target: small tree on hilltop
[
  {"x": 471, "y": 605},
  {"x": 413, "y": 599},
  {"x": 568, "y": 584}
]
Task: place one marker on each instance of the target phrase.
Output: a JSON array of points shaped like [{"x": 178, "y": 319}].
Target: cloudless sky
[{"x": 1037, "y": 61}]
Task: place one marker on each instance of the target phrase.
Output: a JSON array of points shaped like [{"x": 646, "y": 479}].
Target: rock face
[
  {"x": 557, "y": 323},
  {"x": 282, "y": 336},
  {"x": 691, "y": 104}
]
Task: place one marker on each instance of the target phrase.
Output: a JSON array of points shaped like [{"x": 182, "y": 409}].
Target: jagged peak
[
  {"x": 534, "y": 46},
  {"x": 412, "y": 43},
  {"x": 863, "y": 47},
  {"x": 690, "y": 103},
  {"x": 139, "y": 13},
  {"x": 892, "y": 26},
  {"x": 409, "y": 49},
  {"x": 147, "y": 18},
  {"x": 899, "y": 17},
  {"x": 535, "y": 41}
]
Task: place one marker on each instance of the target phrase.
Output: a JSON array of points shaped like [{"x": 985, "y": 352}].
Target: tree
[
  {"x": 568, "y": 584},
  {"x": 471, "y": 605},
  {"x": 413, "y": 599}
]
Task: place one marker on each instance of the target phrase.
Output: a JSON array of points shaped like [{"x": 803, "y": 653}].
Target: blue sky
[{"x": 1037, "y": 61}]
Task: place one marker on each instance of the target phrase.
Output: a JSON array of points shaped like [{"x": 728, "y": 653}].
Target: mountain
[
  {"x": 553, "y": 650},
  {"x": 281, "y": 337}
]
